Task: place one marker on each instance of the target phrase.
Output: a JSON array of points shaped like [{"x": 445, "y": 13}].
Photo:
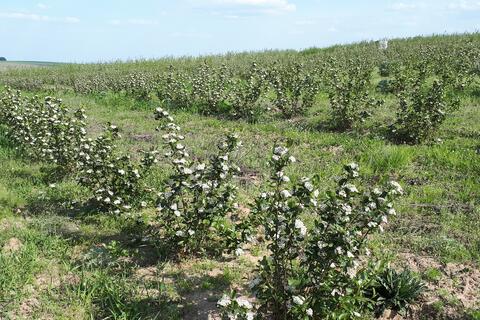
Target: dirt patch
[
  {"x": 201, "y": 306},
  {"x": 335, "y": 150},
  {"x": 12, "y": 245},
  {"x": 249, "y": 176},
  {"x": 454, "y": 289},
  {"x": 142, "y": 137}
]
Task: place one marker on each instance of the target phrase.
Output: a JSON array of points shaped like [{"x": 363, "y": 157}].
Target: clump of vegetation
[
  {"x": 195, "y": 205},
  {"x": 422, "y": 111},
  {"x": 349, "y": 95},
  {"x": 395, "y": 290},
  {"x": 316, "y": 273}
]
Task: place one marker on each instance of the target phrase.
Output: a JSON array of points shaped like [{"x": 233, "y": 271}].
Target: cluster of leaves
[
  {"x": 349, "y": 92},
  {"x": 197, "y": 206},
  {"x": 295, "y": 88},
  {"x": 47, "y": 131},
  {"x": 422, "y": 110},
  {"x": 317, "y": 273}
]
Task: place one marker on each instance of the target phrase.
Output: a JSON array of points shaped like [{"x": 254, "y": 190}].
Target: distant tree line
[{"x": 3, "y": 59}]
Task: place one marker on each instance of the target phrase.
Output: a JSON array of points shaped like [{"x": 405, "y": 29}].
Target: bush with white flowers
[
  {"x": 422, "y": 111},
  {"x": 44, "y": 130},
  {"x": 116, "y": 181},
  {"x": 349, "y": 95},
  {"x": 315, "y": 273},
  {"x": 197, "y": 205}
]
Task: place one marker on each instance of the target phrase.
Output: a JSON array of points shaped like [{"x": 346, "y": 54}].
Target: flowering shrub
[
  {"x": 317, "y": 273},
  {"x": 173, "y": 89},
  {"x": 348, "y": 93},
  {"x": 115, "y": 180},
  {"x": 422, "y": 111},
  {"x": 46, "y": 130},
  {"x": 194, "y": 205},
  {"x": 295, "y": 88},
  {"x": 247, "y": 92},
  {"x": 235, "y": 308},
  {"x": 210, "y": 89}
]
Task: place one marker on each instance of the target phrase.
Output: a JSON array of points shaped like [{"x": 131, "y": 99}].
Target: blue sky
[{"x": 106, "y": 30}]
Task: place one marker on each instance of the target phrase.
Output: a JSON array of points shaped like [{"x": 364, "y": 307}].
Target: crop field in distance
[{"x": 336, "y": 183}]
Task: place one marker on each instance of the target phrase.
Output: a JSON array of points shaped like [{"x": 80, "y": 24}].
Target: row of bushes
[{"x": 323, "y": 271}]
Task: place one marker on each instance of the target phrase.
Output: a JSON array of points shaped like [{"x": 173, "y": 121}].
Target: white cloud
[
  {"x": 194, "y": 35},
  {"x": 465, "y": 5},
  {"x": 136, "y": 22},
  {"x": 42, "y": 6},
  {"x": 37, "y": 17},
  {"x": 251, "y": 6},
  {"x": 305, "y": 22},
  {"x": 400, "y": 6}
]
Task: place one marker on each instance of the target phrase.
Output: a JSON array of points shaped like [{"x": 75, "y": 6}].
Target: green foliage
[
  {"x": 194, "y": 206},
  {"x": 349, "y": 95},
  {"x": 422, "y": 111},
  {"x": 396, "y": 290}
]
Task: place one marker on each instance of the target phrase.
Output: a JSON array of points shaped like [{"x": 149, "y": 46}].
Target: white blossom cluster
[
  {"x": 326, "y": 256},
  {"x": 47, "y": 131},
  {"x": 199, "y": 196}
]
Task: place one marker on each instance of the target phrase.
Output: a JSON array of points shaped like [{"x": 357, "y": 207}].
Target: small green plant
[
  {"x": 422, "y": 111},
  {"x": 396, "y": 290},
  {"x": 350, "y": 100}
]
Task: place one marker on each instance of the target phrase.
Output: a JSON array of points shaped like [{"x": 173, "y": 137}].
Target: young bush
[
  {"x": 210, "y": 89},
  {"x": 46, "y": 131},
  {"x": 115, "y": 180},
  {"x": 295, "y": 88},
  {"x": 195, "y": 205},
  {"x": 317, "y": 273},
  {"x": 422, "y": 111},
  {"x": 348, "y": 93},
  {"x": 247, "y": 92},
  {"x": 174, "y": 89}
]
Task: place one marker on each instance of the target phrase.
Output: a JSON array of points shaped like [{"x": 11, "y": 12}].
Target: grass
[{"x": 95, "y": 268}]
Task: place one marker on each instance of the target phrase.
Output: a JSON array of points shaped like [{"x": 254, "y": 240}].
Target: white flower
[
  {"x": 309, "y": 312},
  {"x": 117, "y": 202},
  {"x": 106, "y": 200},
  {"x": 396, "y": 187},
  {"x": 143, "y": 204},
  {"x": 351, "y": 188},
  {"x": 285, "y": 194},
  {"x": 224, "y": 301},
  {"x": 336, "y": 292},
  {"x": 301, "y": 227},
  {"x": 191, "y": 232},
  {"x": 339, "y": 250},
  {"x": 121, "y": 171},
  {"x": 350, "y": 255},
  {"x": 52, "y": 185},
  {"x": 298, "y": 300},
  {"x": 292, "y": 159},
  {"x": 280, "y": 151},
  {"x": 391, "y": 211},
  {"x": 250, "y": 315},
  {"x": 238, "y": 252},
  {"x": 244, "y": 303},
  {"x": 179, "y": 233}
]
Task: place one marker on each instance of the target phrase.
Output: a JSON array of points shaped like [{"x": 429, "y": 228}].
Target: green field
[{"x": 63, "y": 258}]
